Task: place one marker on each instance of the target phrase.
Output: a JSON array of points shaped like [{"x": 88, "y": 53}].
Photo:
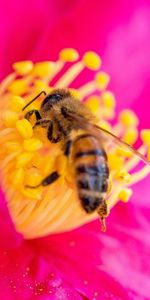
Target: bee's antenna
[{"x": 43, "y": 92}]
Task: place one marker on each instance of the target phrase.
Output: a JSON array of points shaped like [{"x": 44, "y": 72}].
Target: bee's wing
[{"x": 101, "y": 133}]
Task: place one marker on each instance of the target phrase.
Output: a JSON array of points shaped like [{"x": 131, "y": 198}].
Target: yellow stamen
[
  {"x": 132, "y": 163},
  {"x": 24, "y": 127},
  {"x": 32, "y": 194},
  {"x": 60, "y": 164},
  {"x": 145, "y": 136},
  {"x": 32, "y": 177},
  {"x": 138, "y": 176},
  {"x": 148, "y": 154},
  {"x": 115, "y": 162},
  {"x": 57, "y": 68},
  {"x": 87, "y": 89},
  {"x": 17, "y": 177},
  {"x": 123, "y": 152},
  {"x": 102, "y": 79},
  {"x": 32, "y": 144},
  {"x": 92, "y": 60},
  {"x": 70, "y": 75},
  {"x": 12, "y": 146},
  {"x": 6, "y": 83},
  {"x": 123, "y": 175},
  {"x": 9, "y": 118},
  {"x": 131, "y": 136},
  {"x": 93, "y": 103},
  {"x": 17, "y": 103},
  {"x": 43, "y": 69},
  {"x": 105, "y": 125},
  {"x": 18, "y": 87},
  {"x": 24, "y": 159},
  {"x": 128, "y": 118},
  {"x": 125, "y": 194},
  {"x": 23, "y": 67},
  {"x": 68, "y": 54},
  {"x": 41, "y": 86},
  {"x": 75, "y": 93},
  {"x": 108, "y": 99}
]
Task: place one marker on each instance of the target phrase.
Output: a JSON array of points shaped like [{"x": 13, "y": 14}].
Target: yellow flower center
[{"x": 27, "y": 156}]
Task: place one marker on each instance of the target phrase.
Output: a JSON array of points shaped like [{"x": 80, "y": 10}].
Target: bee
[{"x": 61, "y": 114}]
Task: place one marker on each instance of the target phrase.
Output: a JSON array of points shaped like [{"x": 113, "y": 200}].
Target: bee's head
[{"x": 54, "y": 97}]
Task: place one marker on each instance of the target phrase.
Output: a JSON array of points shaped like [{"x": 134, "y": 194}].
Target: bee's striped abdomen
[{"x": 91, "y": 171}]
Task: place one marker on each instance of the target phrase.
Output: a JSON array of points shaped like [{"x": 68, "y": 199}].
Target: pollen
[
  {"x": 9, "y": 118},
  {"x": 108, "y": 99},
  {"x": 23, "y": 159},
  {"x": 145, "y": 136},
  {"x": 27, "y": 157},
  {"x": 93, "y": 103},
  {"x": 125, "y": 194},
  {"x": 115, "y": 161},
  {"x": 18, "y": 176},
  {"x": 40, "y": 85},
  {"x": 92, "y": 60},
  {"x": 123, "y": 175},
  {"x": 18, "y": 87},
  {"x": 128, "y": 118},
  {"x": 16, "y": 103},
  {"x": 24, "y": 127},
  {"x": 32, "y": 144},
  {"x": 43, "y": 69},
  {"x": 68, "y": 55},
  {"x": 131, "y": 136},
  {"x": 102, "y": 79},
  {"x": 23, "y": 67}
]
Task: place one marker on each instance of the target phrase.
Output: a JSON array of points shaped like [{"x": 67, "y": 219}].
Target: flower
[
  {"x": 118, "y": 259},
  {"x": 27, "y": 158},
  {"x": 41, "y": 211}
]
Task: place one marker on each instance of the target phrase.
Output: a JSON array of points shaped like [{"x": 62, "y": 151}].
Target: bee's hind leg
[
  {"x": 46, "y": 181},
  {"x": 103, "y": 212}
]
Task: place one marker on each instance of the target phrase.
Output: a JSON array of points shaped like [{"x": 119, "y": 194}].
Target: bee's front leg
[
  {"x": 42, "y": 122},
  {"x": 46, "y": 181},
  {"x": 29, "y": 114}
]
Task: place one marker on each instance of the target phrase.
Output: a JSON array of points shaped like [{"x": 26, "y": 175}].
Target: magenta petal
[
  {"x": 108, "y": 265},
  {"x": 22, "y": 25},
  {"x": 9, "y": 238},
  {"x": 19, "y": 277}
]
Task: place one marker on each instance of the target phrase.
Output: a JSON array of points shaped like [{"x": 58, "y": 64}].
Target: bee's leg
[
  {"x": 42, "y": 122},
  {"x": 103, "y": 212},
  {"x": 50, "y": 134},
  {"x": 46, "y": 181},
  {"x": 67, "y": 147},
  {"x": 31, "y": 112}
]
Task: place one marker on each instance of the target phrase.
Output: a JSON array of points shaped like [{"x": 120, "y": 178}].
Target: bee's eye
[
  {"x": 51, "y": 99},
  {"x": 57, "y": 96}
]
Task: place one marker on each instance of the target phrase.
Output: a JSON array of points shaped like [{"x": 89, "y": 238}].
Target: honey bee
[{"x": 61, "y": 114}]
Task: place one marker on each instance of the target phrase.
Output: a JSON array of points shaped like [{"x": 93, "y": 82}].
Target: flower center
[{"x": 27, "y": 156}]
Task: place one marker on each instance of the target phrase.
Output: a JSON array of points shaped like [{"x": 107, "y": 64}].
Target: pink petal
[
  {"x": 9, "y": 238},
  {"x": 24, "y": 274}
]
